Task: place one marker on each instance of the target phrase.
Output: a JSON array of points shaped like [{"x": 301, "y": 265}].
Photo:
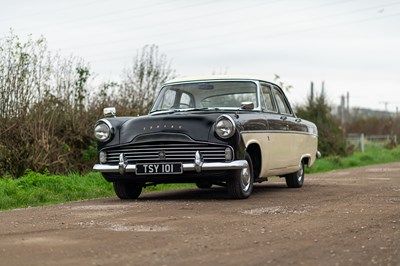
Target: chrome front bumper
[{"x": 123, "y": 168}]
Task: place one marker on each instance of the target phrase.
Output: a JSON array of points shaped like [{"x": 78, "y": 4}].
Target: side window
[
  {"x": 267, "y": 98},
  {"x": 168, "y": 99},
  {"x": 280, "y": 101}
]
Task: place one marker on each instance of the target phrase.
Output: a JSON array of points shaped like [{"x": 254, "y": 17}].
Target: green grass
[
  {"x": 369, "y": 157},
  {"x": 34, "y": 189}
]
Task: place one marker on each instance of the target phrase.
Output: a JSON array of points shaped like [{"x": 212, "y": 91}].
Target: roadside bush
[
  {"x": 48, "y": 109},
  {"x": 43, "y": 121},
  {"x": 392, "y": 144},
  {"x": 336, "y": 160},
  {"x": 331, "y": 137}
]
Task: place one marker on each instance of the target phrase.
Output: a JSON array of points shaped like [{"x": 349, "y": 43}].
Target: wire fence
[{"x": 362, "y": 142}]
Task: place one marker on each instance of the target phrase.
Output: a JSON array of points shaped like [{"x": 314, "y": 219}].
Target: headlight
[
  {"x": 225, "y": 127},
  {"x": 102, "y": 132}
]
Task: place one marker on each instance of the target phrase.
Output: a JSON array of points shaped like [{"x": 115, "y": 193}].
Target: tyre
[
  {"x": 125, "y": 190},
  {"x": 241, "y": 184},
  {"x": 296, "y": 179},
  {"x": 204, "y": 185}
]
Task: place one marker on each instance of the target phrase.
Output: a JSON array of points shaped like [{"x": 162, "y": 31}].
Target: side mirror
[
  {"x": 247, "y": 105},
  {"x": 109, "y": 112}
]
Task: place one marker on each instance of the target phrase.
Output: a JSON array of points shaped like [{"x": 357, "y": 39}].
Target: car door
[
  {"x": 275, "y": 148},
  {"x": 292, "y": 137}
]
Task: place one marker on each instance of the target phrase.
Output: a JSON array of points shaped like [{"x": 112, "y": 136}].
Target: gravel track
[{"x": 349, "y": 217}]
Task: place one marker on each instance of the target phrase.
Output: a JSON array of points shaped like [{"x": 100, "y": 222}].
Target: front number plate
[{"x": 158, "y": 168}]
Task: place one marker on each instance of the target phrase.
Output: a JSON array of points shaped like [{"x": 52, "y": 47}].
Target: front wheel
[
  {"x": 241, "y": 184},
  {"x": 296, "y": 179},
  {"x": 126, "y": 190}
]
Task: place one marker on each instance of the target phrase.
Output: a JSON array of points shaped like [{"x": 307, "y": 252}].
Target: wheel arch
[
  {"x": 306, "y": 159},
  {"x": 254, "y": 150}
]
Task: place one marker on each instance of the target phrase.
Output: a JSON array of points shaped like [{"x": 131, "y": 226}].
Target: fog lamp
[
  {"x": 103, "y": 157},
  {"x": 228, "y": 154}
]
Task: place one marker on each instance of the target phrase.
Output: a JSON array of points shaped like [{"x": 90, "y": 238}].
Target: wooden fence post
[{"x": 362, "y": 142}]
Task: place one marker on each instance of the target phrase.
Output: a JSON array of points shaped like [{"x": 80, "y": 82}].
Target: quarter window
[{"x": 168, "y": 100}]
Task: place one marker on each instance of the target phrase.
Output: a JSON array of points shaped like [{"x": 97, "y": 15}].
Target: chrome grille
[{"x": 178, "y": 152}]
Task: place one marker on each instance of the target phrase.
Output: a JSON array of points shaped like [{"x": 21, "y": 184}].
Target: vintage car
[{"x": 227, "y": 131}]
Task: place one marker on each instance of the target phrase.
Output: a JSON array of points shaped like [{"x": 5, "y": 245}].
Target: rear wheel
[
  {"x": 296, "y": 179},
  {"x": 241, "y": 185},
  {"x": 126, "y": 190}
]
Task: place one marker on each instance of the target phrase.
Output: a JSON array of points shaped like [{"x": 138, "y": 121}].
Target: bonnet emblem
[{"x": 161, "y": 154}]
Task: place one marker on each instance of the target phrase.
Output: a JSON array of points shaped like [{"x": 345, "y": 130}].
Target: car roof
[{"x": 214, "y": 77}]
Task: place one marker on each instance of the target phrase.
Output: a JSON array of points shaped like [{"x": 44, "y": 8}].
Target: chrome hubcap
[
  {"x": 245, "y": 179},
  {"x": 300, "y": 173}
]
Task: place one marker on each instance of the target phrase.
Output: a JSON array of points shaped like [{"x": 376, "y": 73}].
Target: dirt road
[{"x": 349, "y": 217}]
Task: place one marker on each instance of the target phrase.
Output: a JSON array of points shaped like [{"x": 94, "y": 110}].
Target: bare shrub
[
  {"x": 43, "y": 123},
  {"x": 141, "y": 81},
  {"x": 47, "y": 111}
]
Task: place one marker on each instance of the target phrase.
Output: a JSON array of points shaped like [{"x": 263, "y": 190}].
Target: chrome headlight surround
[
  {"x": 225, "y": 127},
  {"x": 313, "y": 130},
  {"x": 103, "y": 130}
]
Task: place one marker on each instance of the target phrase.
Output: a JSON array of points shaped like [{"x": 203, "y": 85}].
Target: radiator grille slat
[{"x": 177, "y": 152}]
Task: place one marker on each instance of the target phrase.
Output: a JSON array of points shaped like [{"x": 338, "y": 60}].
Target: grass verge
[
  {"x": 356, "y": 160},
  {"x": 34, "y": 189}
]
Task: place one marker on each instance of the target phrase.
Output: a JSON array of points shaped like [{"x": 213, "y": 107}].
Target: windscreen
[{"x": 204, "y": 95}]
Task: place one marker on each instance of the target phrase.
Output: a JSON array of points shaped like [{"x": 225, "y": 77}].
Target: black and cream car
[{"x": 225, "y": 131}]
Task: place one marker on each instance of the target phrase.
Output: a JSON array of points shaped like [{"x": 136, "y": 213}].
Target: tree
[
  {"x": 141, "y": 80},
  {"x": 43, "y": 121},
  {"x": 282, "y": 84},
  {"x": 331, "y": 140}
]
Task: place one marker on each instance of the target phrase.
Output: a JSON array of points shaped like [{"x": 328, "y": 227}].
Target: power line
[
  {"x": 51, "y": 10},
  {"x": 296, "y": 23},
  {"x": 166, "y": 33},
  {"x": 107, "y": 22},
  {"x": 265, "y": 37},
  {"x": 255, "y": 29},
  {"x": 209, "y": 14},
  {"x": 209, "y": 38},
  {"x": 138, "y": 9}
]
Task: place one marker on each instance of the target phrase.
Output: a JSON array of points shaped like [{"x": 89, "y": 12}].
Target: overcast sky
[{"x": 352, "y": 45}]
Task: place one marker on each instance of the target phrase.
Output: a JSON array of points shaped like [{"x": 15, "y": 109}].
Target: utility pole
[
  {"x": 312, "y": 91},
  {"x": 386, "y": 105},
  {"x": 342, "y": 109}
]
